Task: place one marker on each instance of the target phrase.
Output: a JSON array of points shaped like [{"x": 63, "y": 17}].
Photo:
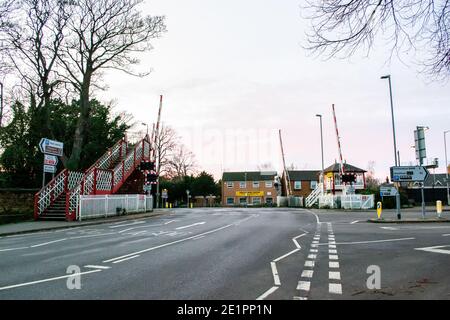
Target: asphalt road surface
[{"x": 231, "y": 254}]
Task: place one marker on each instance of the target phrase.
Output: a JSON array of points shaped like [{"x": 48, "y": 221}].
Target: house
[
  {"x": 248, "y": 188},
  {"x": 435, "y": 188},
  {"x": 302, "y": 182},
  {"x": 333, "y": 181}
]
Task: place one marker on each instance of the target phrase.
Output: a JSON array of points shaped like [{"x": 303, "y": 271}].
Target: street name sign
[
  {"x": 49, "y": 169},
  {"x": 409, "y": 174},
  {"x": 51, "y": 147},
  {"x": 50, "y": 160}
]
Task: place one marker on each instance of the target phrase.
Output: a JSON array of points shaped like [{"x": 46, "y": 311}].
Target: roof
[
  {"x": 304, "y": 175},
  {"x": 251, "y": 176},
  {"x": 347, "y": 168}
]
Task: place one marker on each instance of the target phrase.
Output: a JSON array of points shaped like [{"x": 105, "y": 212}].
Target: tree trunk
[{"x": 83, "y": 120}]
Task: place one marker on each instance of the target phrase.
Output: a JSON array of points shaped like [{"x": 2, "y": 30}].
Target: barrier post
[{"x": 439, "y": 208}]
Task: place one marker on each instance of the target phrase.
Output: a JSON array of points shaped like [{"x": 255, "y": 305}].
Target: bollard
[
  {"x": 170, "y": 206},
  {"x": 379, "y": 210},
  {"x": 167, "y": 205},
  {"x": 192, "y": 206},
  {"x": 439, "y": 208}
]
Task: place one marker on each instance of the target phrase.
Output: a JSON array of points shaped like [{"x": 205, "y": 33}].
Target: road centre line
[
  {"x": 126, "y": 259},
  {"x": 354, "y": 222},
  {"x": 13, "y": 249},
  {"x": 267, "y": 293},
  {"x": 364, "y": 242},
  {"x": 168, "y": 244},
  {"x": 191, "y": 225},
  {"x": 286, "y": 255},
  {"x": 47, "y": 243},
  {"x": 92, "y": 236},
  {"x": 97, "y": 267},
  {"x": 47, "y": 280},
  {"x": 126, "y": 225}
]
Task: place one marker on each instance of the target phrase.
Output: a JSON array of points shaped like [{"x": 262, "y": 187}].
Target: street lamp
[
  {"x": 397, "y": 197},
  {"x": 321, "y": 145},
  {"x": 446, "y": 166},
  {"x": 187, "y": 193},
  {"x": 144, "y": 124}
]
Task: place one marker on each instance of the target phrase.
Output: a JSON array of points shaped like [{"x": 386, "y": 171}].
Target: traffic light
[
  {"x": 151, "y": 177},
  {"x": 348, "y": 178},
  {"x": 147, "y": 166}
]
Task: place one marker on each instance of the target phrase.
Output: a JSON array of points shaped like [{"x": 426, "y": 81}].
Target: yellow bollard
[
  {"x": 170, "y": 206},
  {"x": 439, "y": 208},
  {"x": 379, "y": 210},
  {"x": 167, "y": 205},
  {"x": 192, "y": 206}
]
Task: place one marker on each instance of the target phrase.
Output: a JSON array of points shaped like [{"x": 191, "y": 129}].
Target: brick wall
[{"x": 269, "y": 192}]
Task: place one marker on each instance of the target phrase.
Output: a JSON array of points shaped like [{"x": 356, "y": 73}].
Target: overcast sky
[{"x": 234, "y": 72}]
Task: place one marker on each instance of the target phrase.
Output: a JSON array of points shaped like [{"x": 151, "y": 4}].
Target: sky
[{"x": 234, "y": 72}]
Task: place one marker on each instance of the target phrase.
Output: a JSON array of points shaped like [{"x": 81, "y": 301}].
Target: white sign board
[
  {"x": 409, "y": 174},
  {"x": 50, "y": 160},
  {"x": 49, "y": 169},
  {"x": 51, "y": 147},
  {"x": 388, "y": 191},
  {"x": 165, "y": 194}
]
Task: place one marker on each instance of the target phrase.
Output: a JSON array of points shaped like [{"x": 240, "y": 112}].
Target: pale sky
[{"x": 234, "y": 72}]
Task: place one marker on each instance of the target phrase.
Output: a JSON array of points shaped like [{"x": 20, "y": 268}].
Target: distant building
[
  {"x": 435, "y": 188},
  {"x": 302, "y": 182},
  {"x": 248, "y": 188}
]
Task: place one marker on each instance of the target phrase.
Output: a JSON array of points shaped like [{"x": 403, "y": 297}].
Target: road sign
[
  {"x": 51, "y": 147},
  {"x": 388, "y": 191},
  {"x": 147, "y": 188},
  {"x": 50, "y": 160},
  {"x": 421, "y": 150},
  {"x": 165, "y": 194},
  {"x": 49, "y": 169},
  {"x": 409, "y": 174}
]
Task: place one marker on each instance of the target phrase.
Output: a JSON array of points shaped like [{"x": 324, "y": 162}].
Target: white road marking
[
  {"x": 332, "y": 246},
  {"x": 389, "y": 228},
  {"x": 267, "y": 293},
  {"x": 126, "y": 225},
  {"x": 169, "y": 222},
  {"x": 334, "y": 275},
  {"x": 333, "y": 257},
  {"x": 307, "y": 273},
  {"x": 354, "y": 222},
  {"x": 367, "y": 242},
  {"x": 286, "y": 255},
  {"x": 276, "y": 278},
  {"x": 312, "y": 256},
  {"x": 333, "y": 265},
  {"x": 13, "y": 249},
  {"x": 298, "y": 237},
  {"x": 168, "y": 244},
  {"x": 126, "y": 259},
  {"x": 314, "y": 251},
  {"x": 310, "y": 264},
  {"x": 28, "y": 234},
  {"x": 437, "y": 249},
  {"x": 47, "y": 243},
  {"x": 92, "y": 236},
  {"x": 335, "y": 288},
  {"x": 97, "y": 267},
  {"x": 192, "y": 225},
  {"x": 48, "y": 280},
  {"x": 446, "y": 235},
  {"x": 332, "y": 251},
  {"x": 314, "y": 246},
  {"x": 198, "y": 238},
  {"x": 304, "y": 285},
  {"x": 300, "y": 298}
]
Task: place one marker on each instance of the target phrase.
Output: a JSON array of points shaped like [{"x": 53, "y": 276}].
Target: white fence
[
  {"x": 357, "y": 201},
  {"x": 112, "y": 205}
]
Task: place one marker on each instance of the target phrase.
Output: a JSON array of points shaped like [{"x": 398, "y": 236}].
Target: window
[
  {"x": 269, "y": 200},
  {"x": 242, "y": 185},
  {"x": 256, "y": 184},
  {"x": 256, "y": 201},
  {"x": 230, "y": 201},
  {"x": 242, "y": 201},
  {"x": 314, "y": 185},
  {"x": 269, "y": 184},
  {"x": 230, "y": 185},
  {"x": 298, "y": 185}
]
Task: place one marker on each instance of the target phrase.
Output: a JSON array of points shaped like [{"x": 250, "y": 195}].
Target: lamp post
[
  {"x": 1, "y": 103},
  {"x": 246, "y": 194},
  {"x": 446, "y": 166},
  {"x": 187, "y": 194},
  {"x": 321, "y": 147},
  {"x": 144, "y": 124},
  {"x": 397, "y": 197}
]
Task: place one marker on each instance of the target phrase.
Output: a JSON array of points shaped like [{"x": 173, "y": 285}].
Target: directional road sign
[
  {"x": 388, "y": 191},
  {"x": 49, "y": 169},
  {"x": 409, "y": 174},
  {"x": 51, "y": 147},
  {"x": 50, "y": 160}
]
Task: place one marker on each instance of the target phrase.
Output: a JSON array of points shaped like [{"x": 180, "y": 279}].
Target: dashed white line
[
  {"x": 310, "y": 264},
  {"x": 126, "y": 259},
  {"x": 276, "y": 278},
  {"x": 192, "y": 225},
  {"x": 312, "y": 256},
  {"x": 47, "y": 243},
  {"x": 304, "y": 285},
  {"x": 13, "y": 249},
  {"x": 267, "y": 293},
  {"x": 335, "y": 288},
  {"x": 333, "y": 257},
  {"x": 334, "y": 275},
  {"x": 97, "y": 267},
  {"x": 307, "y": 273},
  {"x": 354, "y": 222},
  {"x": 333, "y": 265}
]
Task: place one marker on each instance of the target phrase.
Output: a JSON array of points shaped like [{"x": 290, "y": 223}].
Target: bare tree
[
  {"x": 33, "y": 32},
  {"x": 181, "y": 163},
  {"x": 105, "y": 34},
  {"x": 341, "y": 28},
  {"x": 165, "y": 146}
]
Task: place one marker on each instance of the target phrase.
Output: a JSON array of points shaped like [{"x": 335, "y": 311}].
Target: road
[{"x": 230, "y": 254}]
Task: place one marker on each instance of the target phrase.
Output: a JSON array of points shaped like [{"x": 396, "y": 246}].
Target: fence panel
[{"x": 112, "y": 205}]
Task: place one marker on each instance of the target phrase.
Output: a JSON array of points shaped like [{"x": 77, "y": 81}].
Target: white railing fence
[
  {"x": 314, "y": 196},
  {"x": 357, "y": 201},
  {"x": 112, "y": 205}
]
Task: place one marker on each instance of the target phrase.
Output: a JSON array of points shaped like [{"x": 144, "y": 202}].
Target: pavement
[{"x": 231, "y": 254}]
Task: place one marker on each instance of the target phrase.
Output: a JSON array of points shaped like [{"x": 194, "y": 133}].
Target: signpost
[
  {"x": 164, "y": 196},
  {"x": 52, "y": 150},
  {"x": 409, "y": 174},
  {"x": 388, "y": 191}
]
